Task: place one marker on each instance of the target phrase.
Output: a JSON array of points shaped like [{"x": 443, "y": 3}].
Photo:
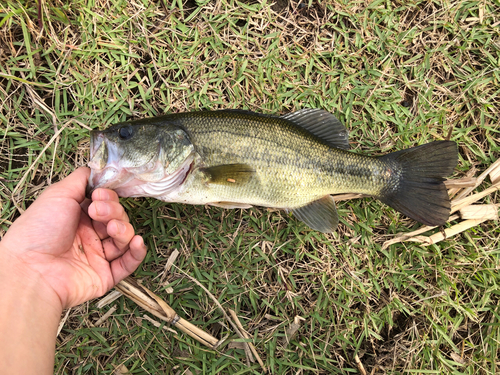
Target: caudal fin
[{"x": 418, "y": 190}]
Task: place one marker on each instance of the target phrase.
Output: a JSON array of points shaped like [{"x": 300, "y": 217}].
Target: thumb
[{"x": 72, "y": 186}]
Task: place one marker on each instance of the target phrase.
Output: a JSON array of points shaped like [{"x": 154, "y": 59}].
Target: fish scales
[
  {"x": 292, "y": 166},
  {"x": 238, "y": 159}
]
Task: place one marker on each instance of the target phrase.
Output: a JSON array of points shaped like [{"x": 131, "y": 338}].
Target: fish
[{"x": 240, "y": 159}]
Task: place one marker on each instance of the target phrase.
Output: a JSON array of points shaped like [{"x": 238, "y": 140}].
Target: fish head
[{"x": 128, "y": 156}]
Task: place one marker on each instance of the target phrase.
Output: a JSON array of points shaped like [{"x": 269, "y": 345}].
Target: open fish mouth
[
  {"x": 107, "y": 178},
  {"x": 96, "y": 138},
  {"x": 101, "y": 174},
  {"x": 106, "y": 171},
  {"x": 94, "y": 143}
]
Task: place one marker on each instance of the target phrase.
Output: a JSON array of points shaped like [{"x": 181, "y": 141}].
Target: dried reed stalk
[
  {"x": 480, "y": 211},
  {"x": 159, "y": 308}
]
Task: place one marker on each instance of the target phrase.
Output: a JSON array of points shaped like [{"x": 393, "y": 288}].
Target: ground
[{"x": 397, "y": 74}]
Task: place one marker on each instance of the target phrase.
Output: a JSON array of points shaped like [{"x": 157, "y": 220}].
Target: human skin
[{"x": 62, "y": 251}]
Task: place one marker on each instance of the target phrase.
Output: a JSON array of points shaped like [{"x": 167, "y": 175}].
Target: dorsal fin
[{"x": 322, "y": 124}]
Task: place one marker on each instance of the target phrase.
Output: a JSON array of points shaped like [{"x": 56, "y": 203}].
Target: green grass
[{"x": 397, "y": 74}]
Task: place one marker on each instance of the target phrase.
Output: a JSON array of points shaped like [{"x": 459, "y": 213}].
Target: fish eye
[{"x": 125, "y": 132}]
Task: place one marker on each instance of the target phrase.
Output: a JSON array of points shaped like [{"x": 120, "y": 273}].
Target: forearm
[{"x": 29, "y": 316}]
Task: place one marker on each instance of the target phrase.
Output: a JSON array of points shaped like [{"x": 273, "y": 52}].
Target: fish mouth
[
  {"x": 89, "y": 190},
  {"x": 93, "y": 144},
  {"x": 96, "y": 139},
  {"x": 108, "y": 178},
  {"x": 97, "y": 164},
  {"x": 106, "y": 167}
]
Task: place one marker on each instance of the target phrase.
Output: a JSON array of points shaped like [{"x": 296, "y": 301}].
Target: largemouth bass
[{"x": 237, "y": 159}]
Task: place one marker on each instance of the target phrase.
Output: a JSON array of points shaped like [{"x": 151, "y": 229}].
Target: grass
[{"x": 397, "y": 74}]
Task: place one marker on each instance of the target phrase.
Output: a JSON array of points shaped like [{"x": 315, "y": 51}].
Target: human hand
[{"x": 78, "y": 249}]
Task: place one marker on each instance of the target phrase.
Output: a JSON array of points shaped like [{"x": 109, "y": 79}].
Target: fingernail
[
  {"x": 101, "y": 208},
  {"x": 102, "y": 195}
]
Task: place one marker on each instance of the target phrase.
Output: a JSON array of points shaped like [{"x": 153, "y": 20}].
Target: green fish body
[{"x": 237, "y": 159}]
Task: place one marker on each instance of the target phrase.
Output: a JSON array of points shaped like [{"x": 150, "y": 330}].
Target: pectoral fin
[
  {"x": 320, "y": 215},
  {"x": 229, "y": 174}
]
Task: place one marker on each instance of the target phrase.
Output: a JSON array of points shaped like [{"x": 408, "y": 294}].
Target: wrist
[
  {"x": 21, "y": 283},
  {"x": 29, "y": 315}
]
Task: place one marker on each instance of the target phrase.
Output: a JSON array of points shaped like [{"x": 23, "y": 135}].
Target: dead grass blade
[
  {"x": 159, "y": 308},
  {"x": 349, "y": 196},
  {"x": 361, "y": 368},
  {"x": 234, "y": 325},
  {"x": 105, "y": 316},
  {"x": 458, "y": 204},
  {"x": 247, "y": 336},
  {"x": 495, "y": 175},
  {"x": 108, "y": 298},
  {"x": 461, "y": 183},
  {"x": 292, "y": 330}
]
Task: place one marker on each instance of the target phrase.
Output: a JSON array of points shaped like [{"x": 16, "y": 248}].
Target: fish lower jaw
[{"x": 106, "y": 178}]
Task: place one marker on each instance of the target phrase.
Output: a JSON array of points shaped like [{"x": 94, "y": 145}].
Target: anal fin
[{"x": 320, "y": 215}]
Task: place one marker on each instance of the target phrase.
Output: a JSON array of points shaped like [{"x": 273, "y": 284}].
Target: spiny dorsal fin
[
  {"x": 229, "y": 174},
  {"x": 322, "y": 124},
  {"x": 320, "y": 215}
]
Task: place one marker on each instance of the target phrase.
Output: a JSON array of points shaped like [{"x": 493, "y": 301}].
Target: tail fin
[{"x": 419, "y": 191}]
